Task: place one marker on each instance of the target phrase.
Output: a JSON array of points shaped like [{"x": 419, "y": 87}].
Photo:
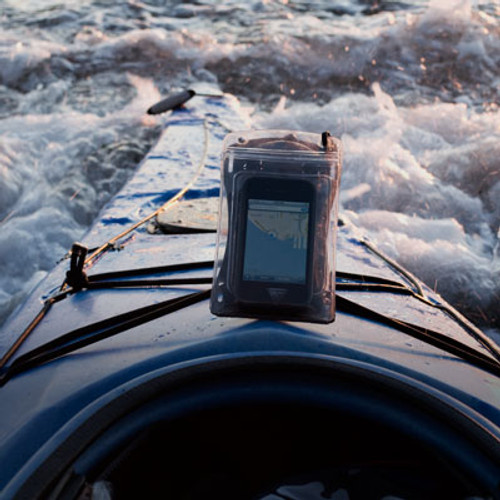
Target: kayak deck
[
  {"x": 192, "y": 139},
  {"x": 134, "y": 329}
]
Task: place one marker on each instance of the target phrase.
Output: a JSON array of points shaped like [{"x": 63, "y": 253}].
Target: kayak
[{"x": 116, "y": 380}]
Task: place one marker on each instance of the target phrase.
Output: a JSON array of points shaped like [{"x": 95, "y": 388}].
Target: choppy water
[{"x": 412, "y": 89}]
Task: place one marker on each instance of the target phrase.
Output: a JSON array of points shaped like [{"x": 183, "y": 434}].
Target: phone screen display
[{"x": 276, "y": 241}]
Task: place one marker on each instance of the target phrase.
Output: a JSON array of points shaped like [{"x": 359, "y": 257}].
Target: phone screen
[{"x": 276, "y": 241}]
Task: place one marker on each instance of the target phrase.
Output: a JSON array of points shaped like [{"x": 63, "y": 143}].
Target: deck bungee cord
[
  {"x": 81, "y": 337},
  {"x": 94, "y": 332},
  {"x": 75, "y": 255},
  {"x": 482, "y": 338},
  {"x": 77, "y": 281}
]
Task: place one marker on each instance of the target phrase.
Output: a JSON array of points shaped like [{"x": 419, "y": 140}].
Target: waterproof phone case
[{"x": 275, "y": 254}]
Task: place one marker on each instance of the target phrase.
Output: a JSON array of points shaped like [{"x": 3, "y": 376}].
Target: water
[{"x": 411, "y": 88}]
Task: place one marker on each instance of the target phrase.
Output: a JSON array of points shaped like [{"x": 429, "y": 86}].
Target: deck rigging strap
[
  {"x": 478, "y": 335},
  {"x": 427, "y": 335},
  {"x": 119, "y": 323},
  {"x": 89, "y": 334},
  {"x": 109, "y": 327},
  {"x": 357, "y": 282}
]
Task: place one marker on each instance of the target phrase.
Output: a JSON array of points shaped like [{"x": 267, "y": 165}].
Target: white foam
[
  {"x": 19, "y": 58},
  {"x": 446, "y": 258},
  {"x": 415, "y": 180},
  {"x": 53, "y": 184}
]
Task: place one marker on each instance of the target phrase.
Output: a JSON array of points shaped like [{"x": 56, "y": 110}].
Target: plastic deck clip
[
  {"x": 326, "y": 141},
  {"x": 76, "y": 277}
]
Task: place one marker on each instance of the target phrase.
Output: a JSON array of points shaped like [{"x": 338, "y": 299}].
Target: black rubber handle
[{"x": 171, "y": 102}]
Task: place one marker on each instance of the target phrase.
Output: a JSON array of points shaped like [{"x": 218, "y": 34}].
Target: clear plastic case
[{"x": 275, "y": 253}]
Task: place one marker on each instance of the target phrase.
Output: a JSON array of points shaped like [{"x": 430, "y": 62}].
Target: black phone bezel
[{"x": 272, "y": 292}]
